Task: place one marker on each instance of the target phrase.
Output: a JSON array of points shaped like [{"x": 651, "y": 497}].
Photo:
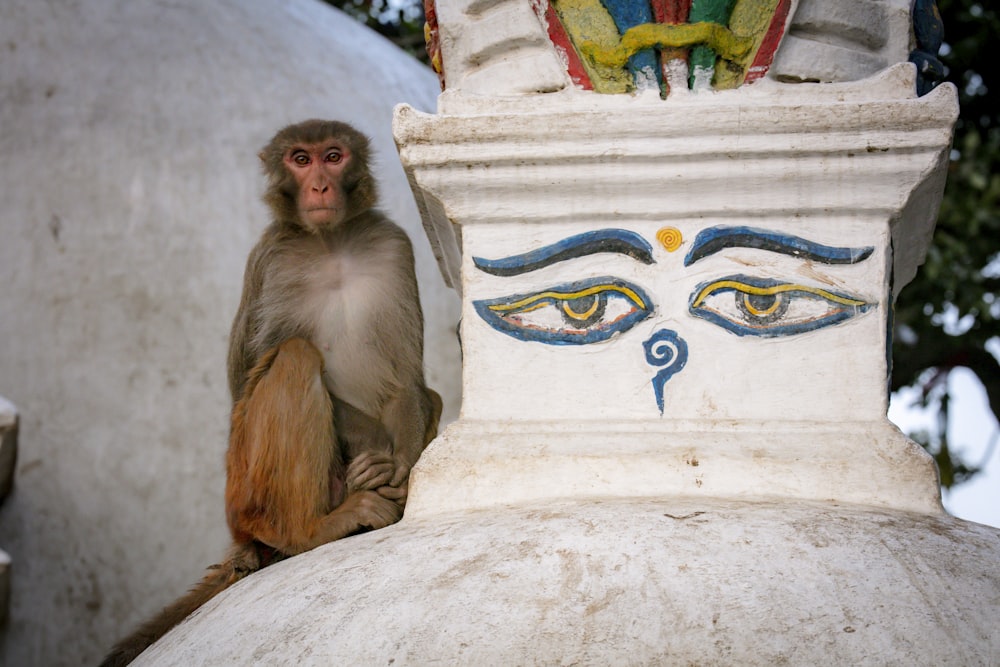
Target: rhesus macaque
[{"x": 325, "y": 368}]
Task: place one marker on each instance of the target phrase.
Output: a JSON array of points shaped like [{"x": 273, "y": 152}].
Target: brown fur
[
  {"x": 282, "y": 459},
  {"x": 283, "y": 191},
  {"x": 325, "y": 368}
]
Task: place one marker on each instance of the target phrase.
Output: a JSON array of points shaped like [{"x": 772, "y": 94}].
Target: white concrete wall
[{"x": 130, "y": 191}]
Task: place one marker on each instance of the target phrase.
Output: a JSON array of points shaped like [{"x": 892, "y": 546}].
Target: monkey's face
[{"x": 318, "y": 170}]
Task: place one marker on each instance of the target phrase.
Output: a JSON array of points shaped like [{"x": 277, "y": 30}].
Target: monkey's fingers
[
  {"x": 376, "y": 512},
  {"x": 396, "y": 494},
  {"x": 369, "y": 471},
  {"x": 401, "y": 474}
]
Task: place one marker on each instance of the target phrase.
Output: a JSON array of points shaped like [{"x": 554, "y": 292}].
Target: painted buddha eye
[
  {"x": 763, "y": 307},
  {"x": 577, "y": 313}
]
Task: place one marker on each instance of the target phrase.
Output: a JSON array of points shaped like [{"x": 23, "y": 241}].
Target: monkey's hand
[
  {"x": 369, "y": 470},
  {"x": 397, "y": 494},
  {"x": 401, "y": 472},
  {"x": 370, "y": 510}
]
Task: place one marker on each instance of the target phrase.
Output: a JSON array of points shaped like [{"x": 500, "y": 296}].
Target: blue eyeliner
[
  {"x": 619, "y": 241},
  {"x": 714, "y": 239}
]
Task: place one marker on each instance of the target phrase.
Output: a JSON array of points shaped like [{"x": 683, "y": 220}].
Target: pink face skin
[{"x": 318, "y": 169}]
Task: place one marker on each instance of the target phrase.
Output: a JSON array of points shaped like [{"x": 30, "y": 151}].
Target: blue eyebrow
[
  {"x": 714, "y": 239},
  {"x": 619, "y": 241}
]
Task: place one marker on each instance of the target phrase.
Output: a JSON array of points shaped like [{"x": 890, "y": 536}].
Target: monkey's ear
[{"x": 262, "y": 157}]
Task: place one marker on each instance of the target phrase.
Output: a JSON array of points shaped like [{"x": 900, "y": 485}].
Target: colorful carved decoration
[
  {"x": 588, "y": 22},
  {"x": 754, "y": 306},
  {"x": 564, "y": 45},
  {"x": 642, "y": 64},
  {"x": 668, "y": 351},
  {"x": 432, "y": 40},
  {"x": 673, "y": 62},
  {"x": 749, "y": 306},
  {"x": 599, "y": 309},
  {"x": 619, "y": 241},
  {"x": 714, "y": 239},
  {"x": 670, "y": 238},
  {"x": 614, "y": 46},
  {"x": 577, "y": 313}
]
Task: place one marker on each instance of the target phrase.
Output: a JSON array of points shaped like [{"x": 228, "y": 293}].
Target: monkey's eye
[
  {"x": 763, "y": 307},
  {"x": 300, "y": 158},
  {"x": 333, "y": 156},
  {"x": 577, "y": 313}
]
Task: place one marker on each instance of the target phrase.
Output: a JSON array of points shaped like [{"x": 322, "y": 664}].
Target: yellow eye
[
  {"x": 762, "y": 307},
  {"x": 578, "y": 313}
]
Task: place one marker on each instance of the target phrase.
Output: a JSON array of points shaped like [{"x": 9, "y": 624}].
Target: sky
[{"x": 973, "y": 432}]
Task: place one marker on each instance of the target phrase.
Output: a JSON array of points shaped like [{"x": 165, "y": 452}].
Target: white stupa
[{"x": 673, "y": 446}]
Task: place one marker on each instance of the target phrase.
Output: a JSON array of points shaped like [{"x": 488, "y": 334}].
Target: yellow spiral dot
[{"x": 670, "y": 238}]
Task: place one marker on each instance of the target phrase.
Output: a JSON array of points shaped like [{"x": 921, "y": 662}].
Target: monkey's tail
[{"x": 242, "y": 560}]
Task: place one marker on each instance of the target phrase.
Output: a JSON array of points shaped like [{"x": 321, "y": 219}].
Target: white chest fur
[{"x": 346, "y": 295}]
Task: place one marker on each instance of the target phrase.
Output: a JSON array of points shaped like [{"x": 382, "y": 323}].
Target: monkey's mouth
[{"x": 321, "y": 212}]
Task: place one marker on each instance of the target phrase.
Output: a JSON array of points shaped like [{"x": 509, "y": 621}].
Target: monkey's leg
[{"x": 282, "y": 449}]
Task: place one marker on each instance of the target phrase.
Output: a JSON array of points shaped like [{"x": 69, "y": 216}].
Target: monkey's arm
[
  {"x": 241, "y": 359},
  {"x": 411, "y": 418},
  {"x": 412, "y": 411},
  {"x": 366, "y": 446}
]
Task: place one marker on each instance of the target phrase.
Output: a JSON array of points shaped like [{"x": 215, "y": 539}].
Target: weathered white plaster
[
  {"x": 844, "y": 165},
  {"x": 766, "y": 513},
  {"x": 660, "y": 581},
  {"x": 868, "y": 128},
  {"x": 130, "y": 188},
  {"x": 499, "y": 43},
  {"x": 844, "y": 40}
]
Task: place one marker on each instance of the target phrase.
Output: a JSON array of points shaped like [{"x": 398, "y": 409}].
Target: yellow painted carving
[
  {"x": 578, "y": 315},
  {"x": 670, "y": 238},
  {"x": 588, "y": 21},
  {"x": 720, "y": 39},
  {"x": 536, "y": 301},
  {"x": 758, "y": 311},
  {"x": 749, "y": 17},
  {"x": 772, "y": 290}
]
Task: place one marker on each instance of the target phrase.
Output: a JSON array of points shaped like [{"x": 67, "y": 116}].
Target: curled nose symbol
[{"x": 667, "y": 350}]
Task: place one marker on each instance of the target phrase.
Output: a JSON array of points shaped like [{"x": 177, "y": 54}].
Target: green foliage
[
  {"x": 401, "y": 21},
  {"x": 949, "y": 314}
]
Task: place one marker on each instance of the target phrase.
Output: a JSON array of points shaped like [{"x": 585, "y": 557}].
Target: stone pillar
[
  {"x": 688, "y": 296},
  {"x": 675, "y": 303}
]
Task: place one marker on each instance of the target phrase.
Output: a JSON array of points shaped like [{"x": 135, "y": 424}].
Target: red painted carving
[
  {"x": 671, "y": 12},
  {"x": 431, "y": 38},
  {"x": 559, "y": 37},
  {"x": 765, "y": 54}
]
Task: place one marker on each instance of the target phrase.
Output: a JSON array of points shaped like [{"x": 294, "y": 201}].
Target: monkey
[
  {"x": 334, "y": 270},
  {"x": 325, "y": 368}
]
